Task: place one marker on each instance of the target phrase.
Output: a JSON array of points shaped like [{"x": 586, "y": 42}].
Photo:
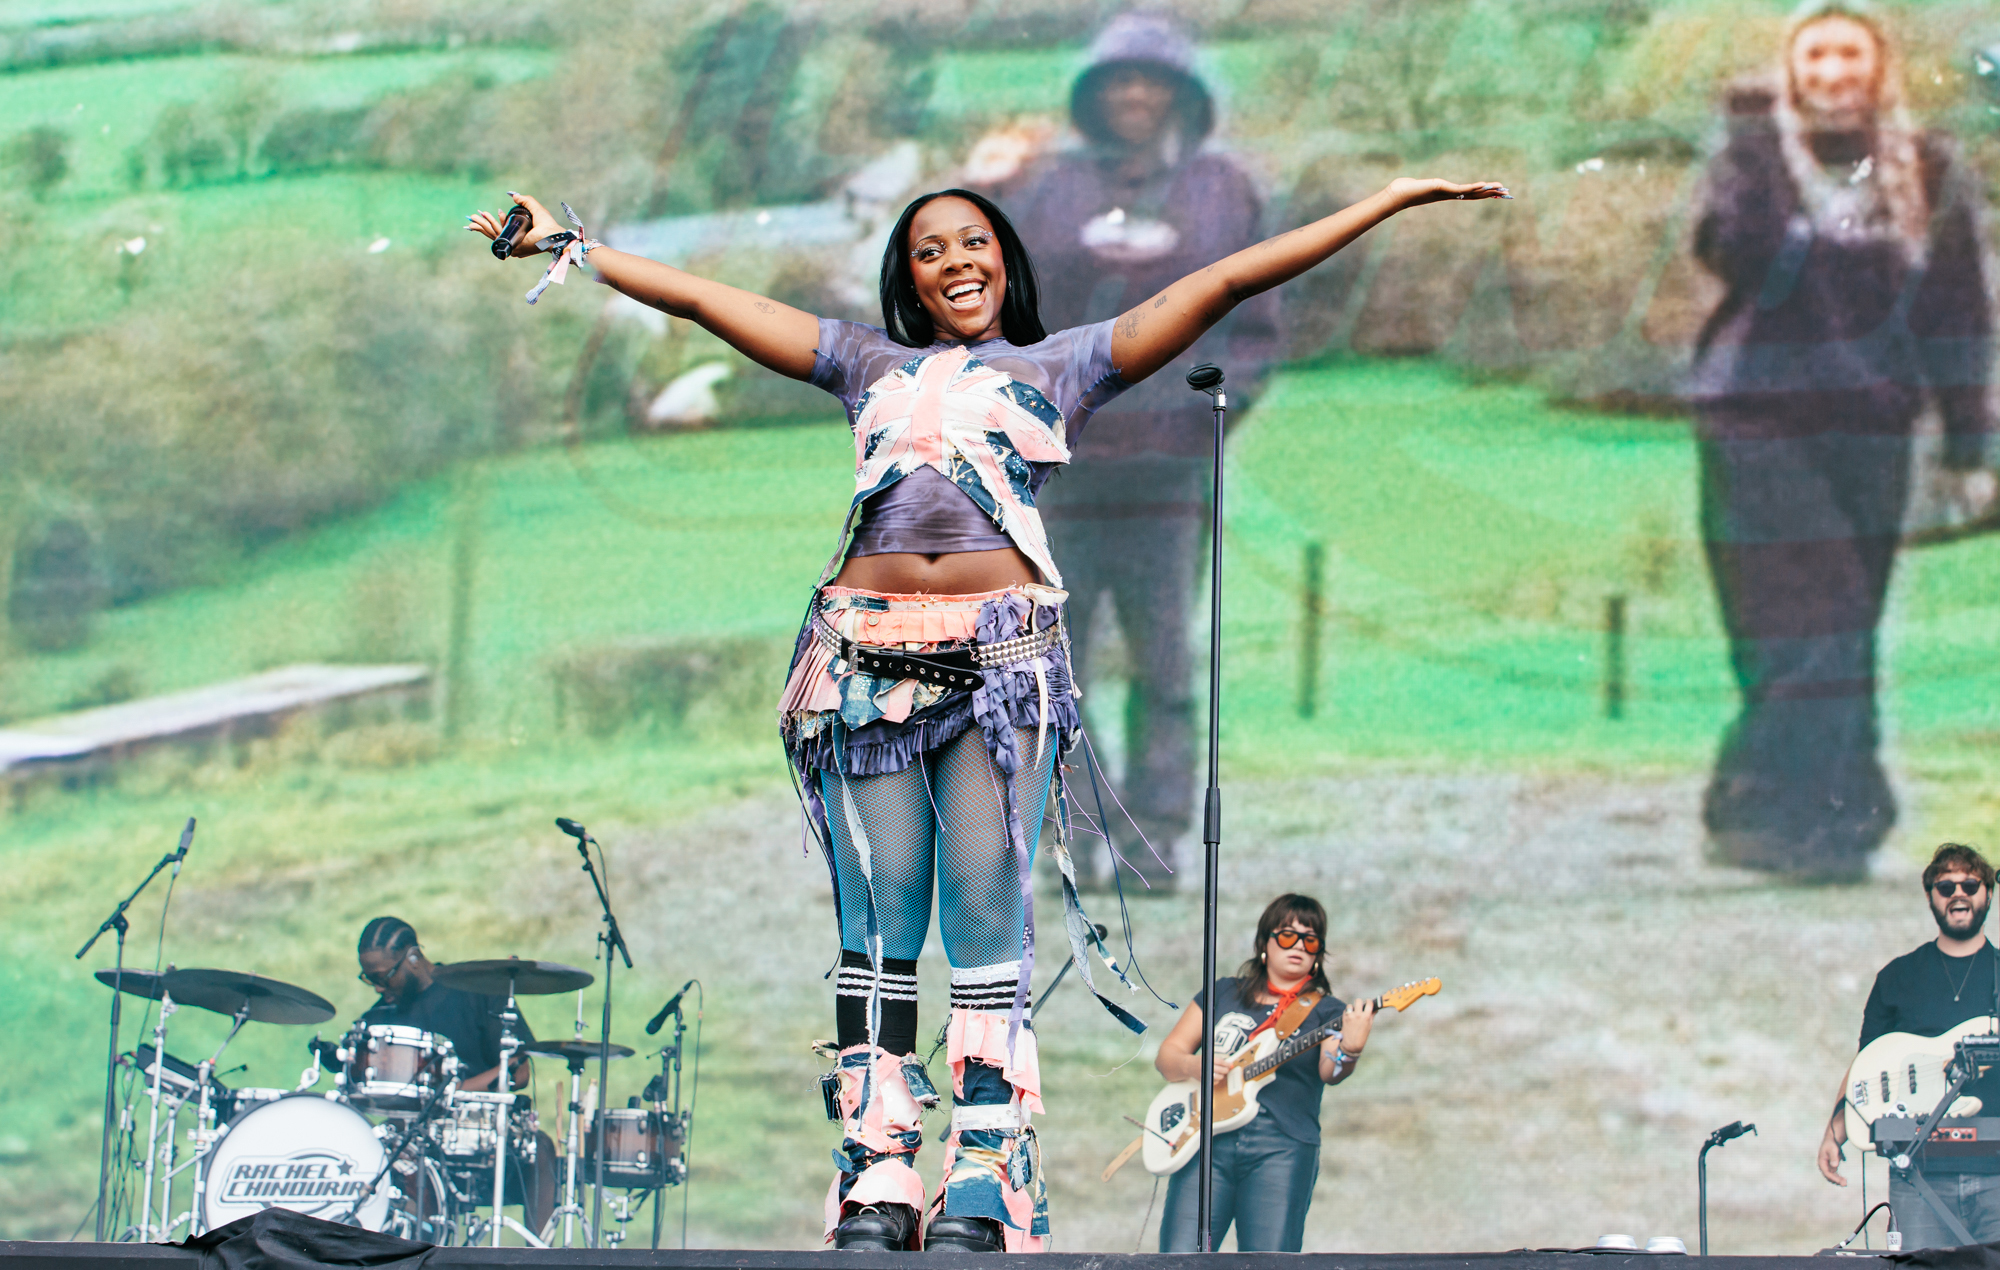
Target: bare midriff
[{"x": 952, "y": 573}]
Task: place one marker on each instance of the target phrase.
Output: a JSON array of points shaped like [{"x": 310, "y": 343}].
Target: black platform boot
[
  {"x": 963, "y": 1234},
  {"x": 878, "y": 1227}
]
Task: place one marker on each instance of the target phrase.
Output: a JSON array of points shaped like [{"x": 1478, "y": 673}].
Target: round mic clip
[{"x": 1206, "y": 377}]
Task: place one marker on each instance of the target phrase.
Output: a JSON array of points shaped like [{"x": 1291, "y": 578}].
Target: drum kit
[{"x": 397, "y": 1144}]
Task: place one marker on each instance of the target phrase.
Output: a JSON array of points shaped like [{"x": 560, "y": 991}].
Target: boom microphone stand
[
  {"x": 1207, "y": 378},
  {"x": 118, "y": 923},
  {"x": 613, "y": 940}
]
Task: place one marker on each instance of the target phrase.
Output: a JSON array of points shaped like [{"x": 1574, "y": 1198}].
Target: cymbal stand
[
  {"x": 153, "y": 1149},
  {"x": 204, "y": 1120},
  {"x": 502, "y": 1111},
  {"x": 571, "y": 1211}
]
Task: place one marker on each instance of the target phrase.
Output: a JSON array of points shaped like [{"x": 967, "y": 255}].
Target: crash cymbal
[
  {"x": 226, "y": 992},
  {"x": 577, "y": 1049},
  {"x": 527, "y": 978}
]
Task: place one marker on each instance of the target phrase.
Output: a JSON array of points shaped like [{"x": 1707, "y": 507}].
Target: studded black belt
[{"x": 947, "y": 668}]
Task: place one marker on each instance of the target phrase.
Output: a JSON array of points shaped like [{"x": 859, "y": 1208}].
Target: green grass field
[{"x": 1472, "y": 536}]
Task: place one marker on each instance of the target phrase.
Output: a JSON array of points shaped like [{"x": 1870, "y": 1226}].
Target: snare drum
[
  {"x": 387, "y": 1067},
  {"x": 464, "y": 1132},
  {"x": 638, "y": 1143}
]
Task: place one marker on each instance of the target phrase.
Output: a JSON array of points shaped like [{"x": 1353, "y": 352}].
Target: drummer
[{"x": 393, "y": 963}]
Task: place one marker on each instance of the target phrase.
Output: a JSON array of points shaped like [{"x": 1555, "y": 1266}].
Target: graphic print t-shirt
[{"x": 1291, "y": 1100}]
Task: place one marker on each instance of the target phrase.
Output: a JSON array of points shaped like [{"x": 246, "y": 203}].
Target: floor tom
[{"x": 639, "y": 1145}]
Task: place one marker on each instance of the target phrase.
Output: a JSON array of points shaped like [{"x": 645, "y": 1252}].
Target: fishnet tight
[{"x": 939, "y": 820}]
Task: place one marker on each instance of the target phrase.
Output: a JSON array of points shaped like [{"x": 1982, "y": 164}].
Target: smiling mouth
[{"x": 965, "y": 295}]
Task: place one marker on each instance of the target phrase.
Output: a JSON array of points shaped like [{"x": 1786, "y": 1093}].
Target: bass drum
[{"x": 302, "y": 1152}]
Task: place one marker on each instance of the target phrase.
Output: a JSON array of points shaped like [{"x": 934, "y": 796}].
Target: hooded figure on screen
[
  {"x": 1848, "y": 243},
  {"x": 1137, "y": 203}
]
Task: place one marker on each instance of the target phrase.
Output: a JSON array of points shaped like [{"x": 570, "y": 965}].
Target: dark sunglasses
[
  {"x": 383, "y": 978},
  {"x": 1963, "y": 886},
  {"x": 1288, "y": 938}
]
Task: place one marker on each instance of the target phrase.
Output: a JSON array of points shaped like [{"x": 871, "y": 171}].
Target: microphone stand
[
  {"x": 1207, "y": 378},
  {"x": 118, "y": 922},
  {"x": 613, "y": 940},
  {"x": 1734, "y": 1129}
]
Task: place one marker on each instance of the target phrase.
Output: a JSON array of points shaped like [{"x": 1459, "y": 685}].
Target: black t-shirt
[
  {"x": 469, "y": 1020},
  {"x": 1291, "y": 1100},
  {"x": 1914, "y": 994}
]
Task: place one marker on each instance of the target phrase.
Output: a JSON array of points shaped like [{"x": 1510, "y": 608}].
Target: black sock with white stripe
[{"x": 898, "y": 1034}]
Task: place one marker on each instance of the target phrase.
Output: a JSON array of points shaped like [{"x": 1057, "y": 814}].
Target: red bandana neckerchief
[{"x": 1285, "y": 1000}]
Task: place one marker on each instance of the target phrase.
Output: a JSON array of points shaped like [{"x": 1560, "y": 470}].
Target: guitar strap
[{"x": 1283, "y": 1023}]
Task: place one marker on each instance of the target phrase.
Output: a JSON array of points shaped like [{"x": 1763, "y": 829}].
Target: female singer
[{"x": 930, "y": 690}]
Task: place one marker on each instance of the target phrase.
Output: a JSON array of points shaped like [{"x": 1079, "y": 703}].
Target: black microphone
[
  {"x": 572, "y": 828},
  {"x": 1734, "y": 1129},
  {"x": 512, "y": 231},
  {"x": 187, "y": 836},
  {"x": 1206, "y": 377},
  {"x": 668, "y": 1008}
]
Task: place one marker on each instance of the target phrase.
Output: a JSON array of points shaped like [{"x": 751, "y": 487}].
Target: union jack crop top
[{"x": 948, "y": 494}]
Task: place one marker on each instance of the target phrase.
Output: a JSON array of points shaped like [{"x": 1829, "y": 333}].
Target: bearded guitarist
[
  {"x": 1264, "y": 1171},
  {"x": 1926, "y": 992}
]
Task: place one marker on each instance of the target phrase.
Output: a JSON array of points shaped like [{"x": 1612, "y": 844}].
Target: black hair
[
  {"x": 1304, "y": 909},
  {"x": 389, "y": 934},
  {"x": 903, "y": 315}
]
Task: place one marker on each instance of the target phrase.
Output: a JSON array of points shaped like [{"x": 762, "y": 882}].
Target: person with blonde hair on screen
[{"x": 1848, "y": 244}]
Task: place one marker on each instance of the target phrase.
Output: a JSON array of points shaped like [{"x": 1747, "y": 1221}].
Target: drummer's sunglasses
[
  {"x": 1287, "y": 938},
  {"x": 382, "y": 979}
]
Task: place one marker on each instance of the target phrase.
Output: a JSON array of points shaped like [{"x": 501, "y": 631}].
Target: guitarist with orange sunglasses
[{"x": 1264, "y": 1171}]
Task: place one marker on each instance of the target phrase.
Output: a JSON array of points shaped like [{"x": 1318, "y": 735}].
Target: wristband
[{"x": 570, "y": 248}]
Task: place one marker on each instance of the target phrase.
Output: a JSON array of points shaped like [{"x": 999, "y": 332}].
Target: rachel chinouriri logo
[{"x": 305, "y": 1181}]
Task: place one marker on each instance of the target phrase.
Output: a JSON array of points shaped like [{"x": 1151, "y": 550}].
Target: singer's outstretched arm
[
  {"x": 771, "y": 334},
  {"x": 1165, "y": 326}
]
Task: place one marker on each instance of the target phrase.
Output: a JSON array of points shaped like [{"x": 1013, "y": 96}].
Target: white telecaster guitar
[
  {"x": 1173, "y": 1123},
  {"x": 1902, "y": 1074}
]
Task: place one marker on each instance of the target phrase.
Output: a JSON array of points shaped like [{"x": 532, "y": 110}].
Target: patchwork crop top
[{"x": 953, "y": 442}]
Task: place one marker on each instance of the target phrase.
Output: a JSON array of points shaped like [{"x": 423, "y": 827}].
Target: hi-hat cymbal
[
  {"x": 226, "y": 992},
  {"x": 524, "y": 977},
  {"x": 574, "y": 1050}
]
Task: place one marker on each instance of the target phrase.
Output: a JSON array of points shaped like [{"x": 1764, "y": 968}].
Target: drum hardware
[
  {"x": 610, "y": 939},
  {"x": 403, "y": 1139},
  {"x": 118, "y": 922},
  {"x": 666, "y": 1085},
  {"x": 576, "y": 1052},
  {"x": 204, "y": 1119},
  {"x": 246, "y": 998}
]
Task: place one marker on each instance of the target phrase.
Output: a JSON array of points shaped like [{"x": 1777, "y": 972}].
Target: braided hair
[{"x": 388, "y": 934}]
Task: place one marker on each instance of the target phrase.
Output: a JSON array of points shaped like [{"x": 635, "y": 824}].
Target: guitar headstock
[{"x": 1410, "y": 993}]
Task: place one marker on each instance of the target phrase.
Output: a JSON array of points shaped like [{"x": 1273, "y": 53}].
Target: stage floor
[{"x": 22, "y": 1255}]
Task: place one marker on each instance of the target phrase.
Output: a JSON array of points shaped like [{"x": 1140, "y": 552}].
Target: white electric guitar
[
  {"x": 1902, "y": 1074},
  {"x": 1173, "y": 1123}
]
